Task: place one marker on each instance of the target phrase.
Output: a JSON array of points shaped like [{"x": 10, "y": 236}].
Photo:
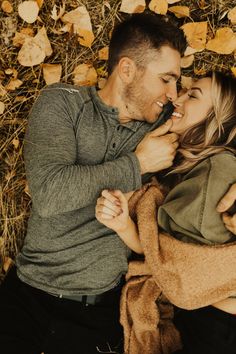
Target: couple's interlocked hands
[{"x": 155, "y": 152}]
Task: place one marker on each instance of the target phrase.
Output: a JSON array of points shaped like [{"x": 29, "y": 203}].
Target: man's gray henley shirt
[{"x": 74, "y": 148}]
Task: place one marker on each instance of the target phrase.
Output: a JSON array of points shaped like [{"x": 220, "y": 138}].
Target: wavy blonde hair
[{"x": 217, "y": 132}]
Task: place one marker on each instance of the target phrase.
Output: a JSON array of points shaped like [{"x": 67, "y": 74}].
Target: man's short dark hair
[{"x": 140, "y": 33}]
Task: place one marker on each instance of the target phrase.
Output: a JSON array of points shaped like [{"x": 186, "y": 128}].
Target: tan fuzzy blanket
[{"x": 187, "y": 275}]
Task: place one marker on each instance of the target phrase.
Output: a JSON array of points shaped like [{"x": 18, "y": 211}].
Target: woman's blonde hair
[{"x": 217, "y": 132}]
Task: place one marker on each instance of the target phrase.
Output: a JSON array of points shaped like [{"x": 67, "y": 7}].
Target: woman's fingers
[{"x": 230, "y": 222}]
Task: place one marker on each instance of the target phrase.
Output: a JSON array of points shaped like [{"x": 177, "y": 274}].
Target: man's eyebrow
[
  {"x": 196, "y": 88},
  {"x": 171, "y": 73}
]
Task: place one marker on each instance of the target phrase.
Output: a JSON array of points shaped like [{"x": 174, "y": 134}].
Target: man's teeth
[
  {"x": 177, "y": 114},
  {"x": 160, "y": 104}
]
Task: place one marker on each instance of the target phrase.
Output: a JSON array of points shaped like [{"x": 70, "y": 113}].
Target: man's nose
[{"x": 172, "y": 92}]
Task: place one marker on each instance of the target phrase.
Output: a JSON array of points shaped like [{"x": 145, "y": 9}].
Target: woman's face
[{"x": 192, "y": 106}]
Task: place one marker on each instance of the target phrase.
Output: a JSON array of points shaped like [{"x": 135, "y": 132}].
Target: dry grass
[{"x": 14, "y": 200}]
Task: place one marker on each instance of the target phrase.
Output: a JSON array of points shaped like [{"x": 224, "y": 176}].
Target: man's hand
[
  {"x": 157, "y": 149},
  {"x": 226, "y": 202}
]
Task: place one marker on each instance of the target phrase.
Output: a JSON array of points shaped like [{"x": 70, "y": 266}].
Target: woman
[{"x": 205, "y": 119}]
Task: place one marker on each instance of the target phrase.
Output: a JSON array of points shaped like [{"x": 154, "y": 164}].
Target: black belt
[
  {"x": 90, "y": 299},
  {"x": 84, "y": 299}
]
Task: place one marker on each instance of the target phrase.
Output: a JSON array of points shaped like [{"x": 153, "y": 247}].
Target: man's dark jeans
[{"x": 33, "y": 322}]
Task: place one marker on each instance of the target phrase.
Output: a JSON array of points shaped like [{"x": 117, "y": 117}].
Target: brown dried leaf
[
  {"x": 56, "y": 16},
  {"x": 180, "y": 11},
  {"x": 26, "y": 189},
  {"x": 16, "y": 143},
  {"x": 196, "y": 34},
  {"x": 224, "y": 41},
  {"x": 52, "y": 73},
  {"x": 187, "y": 61},
  {"x": 132, "y": 6},
  {"x": 20, "y": 99},
  {"x": 28, "y": 11},
  {"x": 7, "y": 7},
  {"x": 7, "y": 263},
  {"x": 34, "y": 50},
  {"x": 233, "y": 69},
  {"x": 2, "y": 107},
  {"x": 186, "y": 82},
  {"x": 31, "y": 53},
  {"x": 40, "y": 3},
  {"x": 19, "y": 39},
  {"x": 85, "y": 75},
  {"x": 159, "y": 6},
  {"x": 13, "y": 84},
  {"x": 42, "y": 39},
  {"x": 3, "y": 91},
  {"x": 11, "y": 71},
  {"x": 81, "y": 24},
  {"x": 103, "y": 53},
  {"x": 232, "y": 15},
  {"x": 172, "y": 1},
  {"x": 200, "y": 71}
]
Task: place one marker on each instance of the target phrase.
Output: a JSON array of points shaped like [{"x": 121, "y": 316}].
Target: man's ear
[{"x": 126, "y": 69}]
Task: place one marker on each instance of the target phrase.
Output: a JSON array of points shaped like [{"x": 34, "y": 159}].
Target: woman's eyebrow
[{"x": 196, "y": 88}]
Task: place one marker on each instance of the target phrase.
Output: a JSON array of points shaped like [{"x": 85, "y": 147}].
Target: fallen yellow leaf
[
  {"x": 200, "y": 71},
  {"x": 16, "y": 143},
  {"x": 132, "y": 6},
  {"x": 159, "y": 6},
  {"x": 2, "y": 107},
  {"x": 7, "y": 7},
  {"x": 56, "y": 16},
  {"x": 196, "y": 34},
  {"x": 7, "y": 263},
  {"x": 40, "y": 3},
  {"x": 35, "y": 49},
  {"x": 13, "y": 84},
  {"x": 232, "y": 15},
  {"x": 42, "y": 39},
  {"x": 233, "y": 69},
  {"x": 11, "y": 71},
  {"x": 3, "y": 91},
  {"x": 180, "y": 11},
  {"x": 19, "y": 39},
  {"x": 224, "y": 41},
  {"x": 186, "y": 82},
  {"x": 28, "y": 11},
  {"x": 31, "y": 53},
  {"x": 187, "y": 61},
  {"x": 85, "y": 75},
  {"x": 20, "y": 99},
  {"x": 81, "y": 24},
  {"x": 103, "y": 53},
  {"x": 52, "y": 73},
  {"x": 172, "y": 1}
]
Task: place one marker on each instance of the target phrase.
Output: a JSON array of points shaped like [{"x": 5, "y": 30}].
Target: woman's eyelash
[
  {"x": 189, "y": 95},
  {"x": 165, "y": 81}
]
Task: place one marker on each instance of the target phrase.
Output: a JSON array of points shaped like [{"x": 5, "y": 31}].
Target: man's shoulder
[{"x": 68, "y": 91}]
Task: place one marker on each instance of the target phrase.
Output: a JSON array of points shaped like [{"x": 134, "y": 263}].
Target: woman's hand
[
  {"x": 227, "y": 202},
  {"x": 112, "y": 210}
]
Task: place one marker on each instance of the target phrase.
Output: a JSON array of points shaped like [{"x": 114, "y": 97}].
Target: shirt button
[
  {"x": 114, "y": 145},
  {"x": 118, "y": 128}
]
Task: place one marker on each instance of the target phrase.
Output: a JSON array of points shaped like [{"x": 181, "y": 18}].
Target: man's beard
[{"x": 134, "y": 101}]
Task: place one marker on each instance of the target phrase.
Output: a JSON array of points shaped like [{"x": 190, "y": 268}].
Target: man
[{"x": 64, "y": 298}]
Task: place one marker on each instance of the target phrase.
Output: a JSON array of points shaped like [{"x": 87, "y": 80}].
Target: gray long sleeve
[{"x": 59, "y": 182}]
